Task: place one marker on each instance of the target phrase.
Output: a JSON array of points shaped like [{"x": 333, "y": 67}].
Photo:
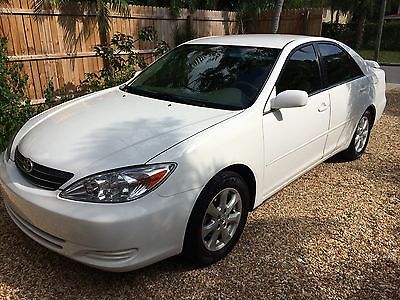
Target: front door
[{"x": 294, "y": 138}]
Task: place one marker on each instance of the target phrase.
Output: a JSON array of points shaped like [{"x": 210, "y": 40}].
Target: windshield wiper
[
  {"x": 176, "y": 98},
  {"x": 123, "y": 87},
  {"x": 163, "y": 96}
]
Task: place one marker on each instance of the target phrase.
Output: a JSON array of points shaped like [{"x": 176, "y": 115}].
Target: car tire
[
  {"x": 213, "y": 230},
  {"x": 360, "y": 138}
]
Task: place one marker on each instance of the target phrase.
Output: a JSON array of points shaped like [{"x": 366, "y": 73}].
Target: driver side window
[{"x": 301, "y": 72}]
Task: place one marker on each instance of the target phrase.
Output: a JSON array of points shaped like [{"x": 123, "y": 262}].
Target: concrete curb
[{"x": 389, "y": 64}]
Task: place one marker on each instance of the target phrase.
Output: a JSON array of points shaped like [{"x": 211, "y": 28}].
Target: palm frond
[
  {"x": 39, "y": 5},
  {"x": 103, "y": 17},
  {"x": 120, "y": 6}
]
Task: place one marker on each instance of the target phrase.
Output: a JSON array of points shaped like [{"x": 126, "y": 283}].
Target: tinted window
[
  {"x": 227, "y": 77},
  {"x": 301, "y": 72},
  {"x": 340, "y": 66}
]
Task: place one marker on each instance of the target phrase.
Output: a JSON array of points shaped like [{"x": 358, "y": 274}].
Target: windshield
[{"x": 227, "y": 77}]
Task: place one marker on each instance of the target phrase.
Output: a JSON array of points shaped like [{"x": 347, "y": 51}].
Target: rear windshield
[{"x": 226, "y": 77}]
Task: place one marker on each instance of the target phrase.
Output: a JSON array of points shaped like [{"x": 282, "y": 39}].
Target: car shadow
[{"x": 335, "y": 159}]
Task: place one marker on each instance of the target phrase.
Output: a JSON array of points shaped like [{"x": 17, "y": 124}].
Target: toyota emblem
[{"x": 27, "y": 165}]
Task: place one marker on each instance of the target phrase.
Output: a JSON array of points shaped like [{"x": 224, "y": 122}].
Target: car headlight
[{"x": 121, "y": 185}]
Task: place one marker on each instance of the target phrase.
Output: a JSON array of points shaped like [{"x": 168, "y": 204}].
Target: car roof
[{"x": 278, "y": 41}]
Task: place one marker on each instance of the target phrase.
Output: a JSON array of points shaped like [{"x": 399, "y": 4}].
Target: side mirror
[{"x": 290, "y": 98}]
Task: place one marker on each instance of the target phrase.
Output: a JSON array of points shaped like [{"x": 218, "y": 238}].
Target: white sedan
[{"x": 172, "y": 161}]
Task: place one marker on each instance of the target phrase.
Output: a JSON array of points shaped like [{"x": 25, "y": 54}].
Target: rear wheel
[
  {"x": 360, "y": 138},
  {"x": 217, "y": 219}
]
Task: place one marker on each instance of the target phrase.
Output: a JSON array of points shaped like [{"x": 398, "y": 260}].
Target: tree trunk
[
  {"x": 337, "y": 16},
  {"x": 360, "y": 29},
  {"x": 241, "y": 25},
  {"x": 380, "y": 29},
  {"x": 104, "y": 39},
  {"x": 277, "y": 15}
]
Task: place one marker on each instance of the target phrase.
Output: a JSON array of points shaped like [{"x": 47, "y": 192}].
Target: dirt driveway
[{"x": 334, "y": 233}]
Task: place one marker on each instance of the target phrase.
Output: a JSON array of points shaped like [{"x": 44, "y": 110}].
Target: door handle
[
  {"x": 363, "y": 90},
  {"x": 323, "y": 107}
]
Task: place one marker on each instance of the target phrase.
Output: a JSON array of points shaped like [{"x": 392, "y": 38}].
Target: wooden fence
[{"x": 59, "y": 46}]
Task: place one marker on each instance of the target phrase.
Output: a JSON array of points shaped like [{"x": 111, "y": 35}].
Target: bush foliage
[
  {"x": 390, "y": 36},
  {"x": 15, "y": 108},
  {"x": 346, "y": 33},
  {"x": 122, "y": 60}
]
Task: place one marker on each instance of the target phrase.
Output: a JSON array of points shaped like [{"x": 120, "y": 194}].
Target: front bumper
[{"x": 114, "y": 237}]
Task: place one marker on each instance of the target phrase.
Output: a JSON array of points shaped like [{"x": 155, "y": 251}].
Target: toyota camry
[{"x": 173, "y": 160}]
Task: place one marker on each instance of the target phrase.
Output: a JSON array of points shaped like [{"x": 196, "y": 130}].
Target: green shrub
[
  {"x": 390, "y": 36},
  {"x": 15, "y": 108},
  {"x": 341, "y": 32},
  {"x": 49, "y": 92},
  {"x": 346, "y": 33},
  {"x": 122, "y": 60}
]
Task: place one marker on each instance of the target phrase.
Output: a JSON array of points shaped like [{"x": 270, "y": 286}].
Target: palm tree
[
  {"x": 277, "y": 15},
  {"x": 102, "y": 9},
  {"x": 360, "y": 10}
]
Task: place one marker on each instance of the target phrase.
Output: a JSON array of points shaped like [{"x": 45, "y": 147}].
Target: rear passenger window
[
  {"x": 301, "y": 72},
  {"x": 340, "y": 66}
]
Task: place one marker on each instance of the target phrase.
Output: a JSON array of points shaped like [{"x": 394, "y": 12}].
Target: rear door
[{"x": 348, "y": 88}]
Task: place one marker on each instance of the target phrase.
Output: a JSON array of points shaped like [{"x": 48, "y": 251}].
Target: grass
[{"x": 387, "y": 57}]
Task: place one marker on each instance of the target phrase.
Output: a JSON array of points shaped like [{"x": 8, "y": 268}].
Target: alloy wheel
[
  {"x": 361, "y": 134},
  {"x": 221, "y": 219}
]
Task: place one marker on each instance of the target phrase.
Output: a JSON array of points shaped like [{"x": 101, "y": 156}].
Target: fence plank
[
  {"x": 34, "y": 74},
  {"x": 6, "y": 31},
  {"x": 38, "y": 49}
]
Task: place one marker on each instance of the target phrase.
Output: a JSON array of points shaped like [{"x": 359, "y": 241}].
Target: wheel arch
[
  {"x": 249, "y": 178},
  {"x": 372, "y": 109}
]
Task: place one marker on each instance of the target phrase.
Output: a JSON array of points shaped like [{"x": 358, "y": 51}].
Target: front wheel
[
  {"x": 217, "y": 219},
  {"x": 360, "y": 138}
]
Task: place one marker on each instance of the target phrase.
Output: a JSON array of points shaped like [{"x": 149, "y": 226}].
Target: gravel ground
[{"x": 332, "y": 234}]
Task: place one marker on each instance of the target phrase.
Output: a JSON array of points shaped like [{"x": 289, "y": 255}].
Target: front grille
[{"x": 45, "y": 177}]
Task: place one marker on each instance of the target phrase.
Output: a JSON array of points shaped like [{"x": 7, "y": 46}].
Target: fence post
[{"x": 189, "y": 24}]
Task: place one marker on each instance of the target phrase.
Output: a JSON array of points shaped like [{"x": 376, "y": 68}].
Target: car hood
[{"x": 113, "y": 129}]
